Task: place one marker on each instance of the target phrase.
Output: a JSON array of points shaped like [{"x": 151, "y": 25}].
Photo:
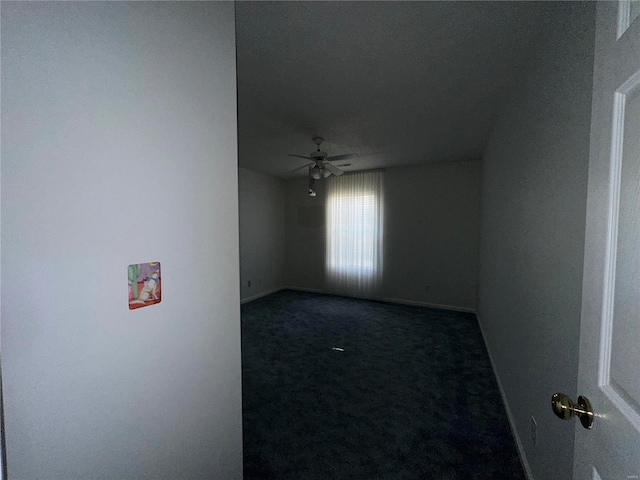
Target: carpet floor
[{"x": 342, "y": 388}]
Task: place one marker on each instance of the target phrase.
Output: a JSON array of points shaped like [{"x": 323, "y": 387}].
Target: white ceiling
[{"x": 399, "y": 83}]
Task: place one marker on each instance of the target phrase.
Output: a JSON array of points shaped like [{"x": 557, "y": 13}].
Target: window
[{"x": 354, "y": 234}]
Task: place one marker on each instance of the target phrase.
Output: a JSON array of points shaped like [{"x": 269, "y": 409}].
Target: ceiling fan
[{"x": 321, "y": 168}]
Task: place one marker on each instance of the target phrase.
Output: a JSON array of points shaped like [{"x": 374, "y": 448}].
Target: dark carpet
[{"x": 412, "y": 396}]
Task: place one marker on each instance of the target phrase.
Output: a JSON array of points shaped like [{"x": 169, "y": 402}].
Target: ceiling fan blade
[
  {"x": 295, "y": 170},
  {"x": 299, "y": 156},
  {"x": 333, "y": 169},
  {"x": 346, "y": 156}
]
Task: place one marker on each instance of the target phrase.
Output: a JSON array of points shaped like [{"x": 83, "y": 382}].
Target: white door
[{"x": 610, "y": 335}]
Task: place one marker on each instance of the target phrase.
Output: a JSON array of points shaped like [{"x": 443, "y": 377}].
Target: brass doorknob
[{"x": 564, "y": 408}]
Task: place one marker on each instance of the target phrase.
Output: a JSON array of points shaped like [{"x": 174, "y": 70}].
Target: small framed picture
[{"x": 145, "y": 287}]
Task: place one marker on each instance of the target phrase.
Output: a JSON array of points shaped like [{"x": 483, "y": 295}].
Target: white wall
[
  {"x": 261, "y": 234},
  {"x": 305, "y": 234},
  {"x": 118, "y": 147},
  {"x": 431, "y": 234},
  {"x": 532, "y": 236}
]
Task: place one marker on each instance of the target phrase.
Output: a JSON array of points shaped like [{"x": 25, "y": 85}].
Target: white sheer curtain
[{"x": 354, "y": 211}]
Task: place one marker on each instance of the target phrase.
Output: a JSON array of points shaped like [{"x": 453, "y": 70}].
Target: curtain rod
[{"x": 364, "y": 171}]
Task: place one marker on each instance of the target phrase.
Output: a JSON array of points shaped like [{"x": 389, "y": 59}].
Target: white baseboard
[
  {"x": 274, "y": 290},
  {"x": 514, "y": 432},
  {"x": 303, "y": 289},
  {"x": 394, "y": 300},
  {"x": 384, "y": 299},
  {"x": 430, "y": 305},
  {"x": 278, "y": 289},
  {"x": 260, "y": 295}
]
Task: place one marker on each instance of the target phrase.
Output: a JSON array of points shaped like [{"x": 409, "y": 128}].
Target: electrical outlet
[
  {"x": 427, "y": 288},
  {"x": 248, "y": 283},
  {"x": 534, "y": 431}
]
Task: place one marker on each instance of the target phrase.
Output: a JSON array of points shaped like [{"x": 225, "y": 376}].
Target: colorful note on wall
[{"x": 144, "y": 284}]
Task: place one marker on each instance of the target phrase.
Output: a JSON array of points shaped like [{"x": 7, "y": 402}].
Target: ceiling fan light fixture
[
  {"x": 316, "y": 172},
  {"x": 321, "y": 166},
  {"x": 312, "y": 183}
]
